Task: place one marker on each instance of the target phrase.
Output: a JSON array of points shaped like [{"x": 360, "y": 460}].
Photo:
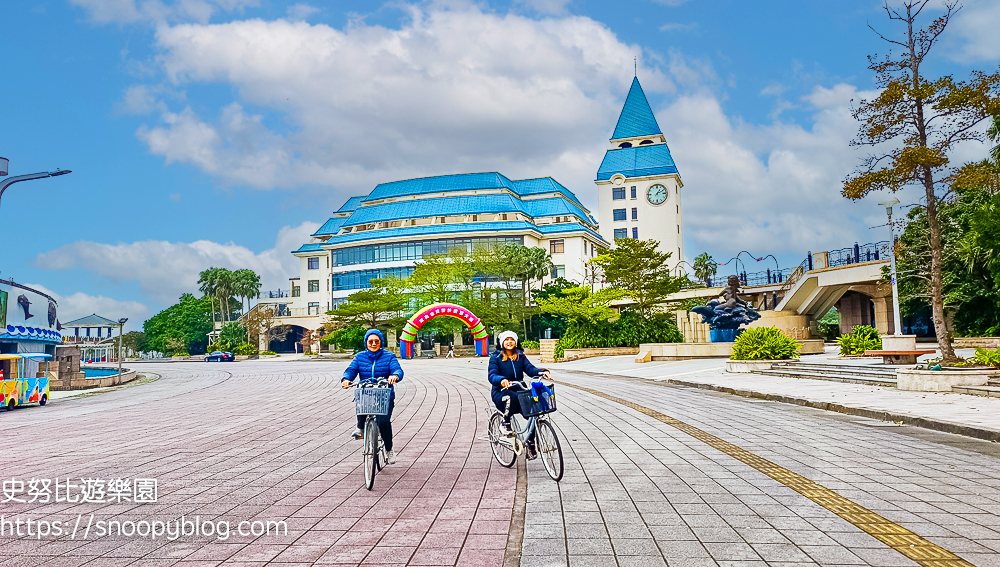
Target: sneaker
[
  {"x": 358, "y": 434},
  {"x": 390, "y": 457},
  {"x": 507, "y": 427},
  {"x": 530, "y": 453}
]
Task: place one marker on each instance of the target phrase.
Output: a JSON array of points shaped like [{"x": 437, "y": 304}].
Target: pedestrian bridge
[{"x": 849, "y": 279}]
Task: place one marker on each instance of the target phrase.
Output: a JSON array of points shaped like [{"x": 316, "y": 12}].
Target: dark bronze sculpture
[{"x": 725, "y": 317}]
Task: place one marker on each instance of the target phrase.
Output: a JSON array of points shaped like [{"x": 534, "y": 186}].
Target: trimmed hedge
[{"x": 764, "y": 343}]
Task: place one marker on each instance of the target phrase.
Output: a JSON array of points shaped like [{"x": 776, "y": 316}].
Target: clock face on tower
[{"x": 656, "y": 194}]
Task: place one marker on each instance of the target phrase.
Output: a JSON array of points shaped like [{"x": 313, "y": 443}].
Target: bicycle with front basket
[
  {"x": 372, "y": 400},
  {"x": 508, "y": 444}
]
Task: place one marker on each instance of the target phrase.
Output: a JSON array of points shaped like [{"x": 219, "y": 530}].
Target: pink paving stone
[
  {"x": 451, "y": 525},
  {"x": 202, "y": 563},
  {"x": 435, "y": 556},
  {"x": 382, "y": 554},
  {"x": 319, "y": 537},
  {"x": 443, "y": 539},
  {"x": 485, "y": 542},
  {"x": 345, "y": 554},
  {"x": 215, "y": 551},
  {"x": 490, "y": 527},
  {"x": 301, "y": 553},
  {"x": 359, "y": 538},
  {"x": 480, "y": 558},
  {"x": 258, "y": 552},
  {"x": 336, "y": 523}
]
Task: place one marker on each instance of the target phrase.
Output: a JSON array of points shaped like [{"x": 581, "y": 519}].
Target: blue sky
[{"x": 222, "y": 132}]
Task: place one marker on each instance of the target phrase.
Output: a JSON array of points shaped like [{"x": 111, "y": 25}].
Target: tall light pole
[
  {"x": 888, "y": 204},
  {"x": 4, "y": 163},
  {"x": 121, "y": 324}
]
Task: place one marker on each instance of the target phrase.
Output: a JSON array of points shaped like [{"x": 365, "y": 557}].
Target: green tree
[
  {"x": 638, "y": 269},
  {"x": 580, "y": 305},
  {"x": 913, "y": 125},
  {"x": 993, "y": 133},
  {"x": 246, "y": 285},
  {"x": 233, "y": 334},
  {"x": 705, "y": 267},
  {"x": 381, "y": 306},
  {"x": 970, "y": 237},
  {"x": 180, "y": 327}
]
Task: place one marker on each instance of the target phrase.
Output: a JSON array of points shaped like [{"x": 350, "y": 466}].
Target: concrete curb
[
  {"x": 515, "y": 534},
  {"x": 882, "y": 415}
]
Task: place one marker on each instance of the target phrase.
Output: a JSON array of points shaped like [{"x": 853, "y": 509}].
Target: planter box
[
  {"x": 942, "y": 380},
  {"x": 578, "y": 353},
  {"x": 747, "y": 366}
]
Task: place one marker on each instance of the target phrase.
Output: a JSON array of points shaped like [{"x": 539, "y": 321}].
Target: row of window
[
  {"x": 618, "y": 193},
  {"x": 620, "y": 214},
  {"x": 397, "y": 251},
  {"x": 361, "y": 279},
  {"x": 623, "y": 233}
]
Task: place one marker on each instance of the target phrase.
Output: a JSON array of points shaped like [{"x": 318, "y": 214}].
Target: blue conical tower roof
[{"x": 637, "y": 117}]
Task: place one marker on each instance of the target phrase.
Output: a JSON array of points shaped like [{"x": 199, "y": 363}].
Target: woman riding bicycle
[
  {"x": 508, "y": 366},
  {"x": 370, "y": 365}
]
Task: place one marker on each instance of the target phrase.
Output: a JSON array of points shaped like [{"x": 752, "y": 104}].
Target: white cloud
[
  {"x": 675, "y": 26},
  {"x": 452, "y": 90},
  {"x": 80, "y": 304},
  {"x": 976, "y": 25},
  {"x": 769, "y": 188},
  {"x": 301, "y": 12},
  {"x": 158, "y": 11},
  {"x": 546, "y": 6},
  {"x": 165, "y": 270}
]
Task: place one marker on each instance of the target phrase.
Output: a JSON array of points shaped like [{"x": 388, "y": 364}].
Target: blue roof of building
[
  {"x": 463, "y": 228},
  {"x": 637, "y": 117},
  {"x": 437, "y": 184},
  {"x": 315, "y": 247},
  {"x": 351, "y": 204},
  {"x": 465, "y": 205},
  {"x": 637, "y": 162},
  {"x": 331, "y": 226},
  {"x": 525, "y": 187}
]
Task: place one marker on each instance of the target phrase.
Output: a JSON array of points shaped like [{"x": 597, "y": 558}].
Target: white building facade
[
  {"x": 639, "y": 187},
  {"x": 385, "y": 233}
]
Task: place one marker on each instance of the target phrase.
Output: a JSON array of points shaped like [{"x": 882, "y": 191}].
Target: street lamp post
[
  {"x": 888, "y": 204},
  {"x": 4, "y": 163},
  {"x": 121, "y": 324}
]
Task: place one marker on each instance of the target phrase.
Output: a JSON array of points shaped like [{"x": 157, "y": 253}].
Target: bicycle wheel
[
  {"x": 499, "y": 442},
  {"x": 549, "y": 450},
  {"x": 371, "y": 453}
]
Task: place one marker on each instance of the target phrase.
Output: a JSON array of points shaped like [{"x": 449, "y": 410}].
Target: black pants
[{"x": 384, "y": 424}]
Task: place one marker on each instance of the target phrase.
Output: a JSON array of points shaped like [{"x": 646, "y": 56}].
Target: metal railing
[
  {"x": 859, "y": 253},
  {"x": 277, "y": 294},
  {"x": 870, "y": 252}
]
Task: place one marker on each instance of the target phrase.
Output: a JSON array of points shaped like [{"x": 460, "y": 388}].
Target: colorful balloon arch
[{"x": 413, "y": 326}]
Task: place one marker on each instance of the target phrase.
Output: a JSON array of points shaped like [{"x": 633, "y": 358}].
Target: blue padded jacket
[
  {"x": 370, "y": 366},
  {"x": 513, "y": 370}
]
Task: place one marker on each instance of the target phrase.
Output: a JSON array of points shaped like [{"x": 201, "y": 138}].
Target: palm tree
[
  {"x": 704, "y": 268},
  {"x": 224, "y": 287},
  {"x": 993, "y": 133},
  {"x": 206, "y": 279}
]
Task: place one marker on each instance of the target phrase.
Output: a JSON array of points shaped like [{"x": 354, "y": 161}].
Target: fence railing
[
  {"x": 278, "y": 294},
  {"x": 859, "y": 253}
]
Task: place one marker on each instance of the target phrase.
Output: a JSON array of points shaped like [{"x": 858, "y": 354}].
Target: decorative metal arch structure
[{"x": 420, "y": 318}]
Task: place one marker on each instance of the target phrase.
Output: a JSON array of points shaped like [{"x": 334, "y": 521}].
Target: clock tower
[{"x": 639, "y": 188}]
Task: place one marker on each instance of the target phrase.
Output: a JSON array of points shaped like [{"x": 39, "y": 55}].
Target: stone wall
[
  {"x": 547, "y": 350},
  {"x": 578, "y": 353},
  {"x": 77, "y": 381},
  {"x": 976, "y": 342}
]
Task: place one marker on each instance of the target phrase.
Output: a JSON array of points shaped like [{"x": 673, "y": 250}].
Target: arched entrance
[
  {"x": 420, "y": 318},
  {"x": 287, "y": 343}
]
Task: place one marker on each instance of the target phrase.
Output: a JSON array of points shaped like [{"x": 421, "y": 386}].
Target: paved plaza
[{"x": 656, "y": 474}]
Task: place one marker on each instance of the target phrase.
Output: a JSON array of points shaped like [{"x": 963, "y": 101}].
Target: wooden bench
[{"x": 898, "y": 356}]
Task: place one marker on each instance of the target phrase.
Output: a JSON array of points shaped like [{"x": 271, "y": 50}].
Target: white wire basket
[{"x": 372, "y": 401}]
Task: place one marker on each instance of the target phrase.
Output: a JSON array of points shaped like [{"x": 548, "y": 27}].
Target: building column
[{"x": 883, "y": 315}]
